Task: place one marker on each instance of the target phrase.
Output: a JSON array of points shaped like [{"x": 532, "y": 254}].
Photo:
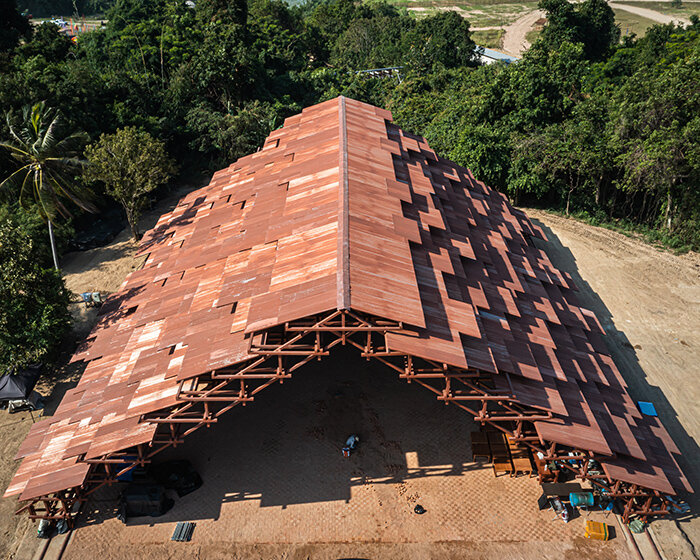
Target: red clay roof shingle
[{"x": 342, "y": 209}]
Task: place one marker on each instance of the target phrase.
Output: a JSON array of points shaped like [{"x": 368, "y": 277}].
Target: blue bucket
[{"x": 579, "y": 499}]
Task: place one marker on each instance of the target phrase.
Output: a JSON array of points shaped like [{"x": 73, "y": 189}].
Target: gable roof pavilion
[{"x": 343, "y": 212}]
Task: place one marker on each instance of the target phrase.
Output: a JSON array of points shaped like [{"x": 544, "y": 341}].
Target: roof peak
[{"x": 343, "y": 272}]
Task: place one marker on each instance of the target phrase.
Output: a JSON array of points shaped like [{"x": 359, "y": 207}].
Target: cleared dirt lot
[
  {"x": 287, "y": 493},
  {"x": 102, "y": 269}
]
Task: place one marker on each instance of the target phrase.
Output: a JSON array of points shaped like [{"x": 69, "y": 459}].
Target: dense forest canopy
[
  {"x": 583, "y": 122},
  {"x": 49, "y": 8}
]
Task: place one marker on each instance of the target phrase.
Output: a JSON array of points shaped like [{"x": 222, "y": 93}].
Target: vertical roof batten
[{"x": 343, "y": 271}]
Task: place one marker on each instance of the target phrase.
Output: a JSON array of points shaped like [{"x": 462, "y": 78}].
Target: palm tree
[{"x": 49, "y": 160}]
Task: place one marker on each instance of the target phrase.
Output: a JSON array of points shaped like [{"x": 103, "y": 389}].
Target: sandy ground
[
  {"x": 514, "y": 41},
  {"x": 647, "y": 299},
  {"x": 650, "y": 14},
  {"x": 462, "y": 12},
  {"x": 102, "y": 269},
  {"x": 13, "y": 429}
]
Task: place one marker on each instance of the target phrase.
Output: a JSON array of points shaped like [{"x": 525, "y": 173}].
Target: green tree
[
  {"x": 49, "y": 162},
  {"x": 600, "y": 32},
  {"x": 657, "y": 130},
  {"x": 33, "y": 224},
  {"x": 233, "y": 11},
  {"x": 48, "y": 42},
  {"x": 486, "y": 151},
  {"x": 227, "y": 137},
  {"x": 12, "y": 25},
  {"x": 444, "y": 40},
  {"x": 131, "y": 164},
  {"x": 34, "y": 314},
  {"x": 564, "y": 159},
  {"x": 542, "y": 90},
  {"x": 591, "y": 23}
]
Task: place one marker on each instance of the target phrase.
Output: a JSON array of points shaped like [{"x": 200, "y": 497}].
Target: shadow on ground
[
  {"x": 286, "y": 447},
  {"x": 625, "y": 357}
]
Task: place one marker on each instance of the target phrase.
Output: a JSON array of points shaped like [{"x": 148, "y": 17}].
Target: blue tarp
[{"x": 647, "y": 408}]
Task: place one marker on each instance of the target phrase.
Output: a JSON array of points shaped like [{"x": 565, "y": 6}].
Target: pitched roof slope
[{"x": 343, "y": 210}]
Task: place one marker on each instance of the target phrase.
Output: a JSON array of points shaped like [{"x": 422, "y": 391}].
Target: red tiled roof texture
[{"x": 343, "y": 210}]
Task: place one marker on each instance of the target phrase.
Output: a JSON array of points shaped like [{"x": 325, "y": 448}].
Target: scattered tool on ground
[{"x": 183, "y": 531}]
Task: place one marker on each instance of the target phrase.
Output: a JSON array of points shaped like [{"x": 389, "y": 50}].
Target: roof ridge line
[{"x": 343, "y": 257}]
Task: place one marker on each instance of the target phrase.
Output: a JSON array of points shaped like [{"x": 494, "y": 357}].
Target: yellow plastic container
[{"x": 596, "y": 531}]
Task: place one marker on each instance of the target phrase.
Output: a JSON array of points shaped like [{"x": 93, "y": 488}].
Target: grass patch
[
  {"x": 450, "y": 3},
  {"x": 532, "y": 35},
  {"x": 659, "y": 238},
  {"x": 483, "y": 13},
  {"x": 496, "y": 15},
  {"x": 489, "y": 38},
  {"x": 632, "y": 23}
]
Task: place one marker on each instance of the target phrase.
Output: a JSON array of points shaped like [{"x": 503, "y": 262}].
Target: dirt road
[
  {"x": 650, "y": 14},
  {"x": 514, "y": 41},
  {"x": 648, "y": 301}
]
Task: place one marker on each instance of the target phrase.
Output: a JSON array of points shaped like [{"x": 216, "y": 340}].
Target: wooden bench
[
  {"x": 502, "y": 465},
  {"x": 522, "y": 464}
]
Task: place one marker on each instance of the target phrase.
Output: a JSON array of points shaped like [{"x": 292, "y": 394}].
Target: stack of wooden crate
[
  {"x": 504, "y": 455},
  {"x": 520, "y": 457},
  {"x": 499, "y": 453}
]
